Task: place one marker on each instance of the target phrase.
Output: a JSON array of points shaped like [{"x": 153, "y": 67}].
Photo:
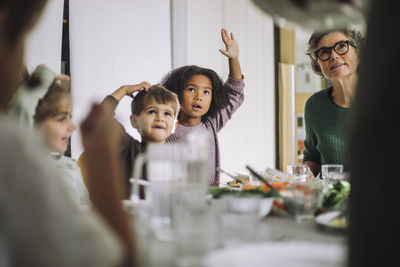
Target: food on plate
[
  {"x": 238, "y": 180},
  {"x": 247, "y": 188},
  {"x": 279, "y": 186},
  {"x": 340, "y": 222},
  {"x": 216, "y": 191},
  {"x": 234, "y": 183},
  {"x": 242, "y": 177},
  {"x": 333, "y": 220}
]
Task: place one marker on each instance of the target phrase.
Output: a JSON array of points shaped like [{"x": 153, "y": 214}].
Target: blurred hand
[
  {"x": 100, "y": 131},
  {"x": 63, "y": 77},
  {"x": 232, "y": 47}
]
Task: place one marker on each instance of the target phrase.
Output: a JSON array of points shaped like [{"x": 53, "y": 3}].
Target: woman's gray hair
[{"x": 353, "y": 35}]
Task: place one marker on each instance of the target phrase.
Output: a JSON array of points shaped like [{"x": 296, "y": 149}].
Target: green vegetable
[
  {"x": 336, "y": 195},
  {"x": 217, "y": 192}
]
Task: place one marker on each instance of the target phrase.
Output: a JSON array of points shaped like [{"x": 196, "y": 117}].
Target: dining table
[{"x": 279, "y": 241}]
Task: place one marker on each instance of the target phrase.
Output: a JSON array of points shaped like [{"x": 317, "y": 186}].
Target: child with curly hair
[{"x": 206, "y": 101}]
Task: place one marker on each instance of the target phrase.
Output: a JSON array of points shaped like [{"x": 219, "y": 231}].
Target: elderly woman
[{"x": 335, "y": 55}]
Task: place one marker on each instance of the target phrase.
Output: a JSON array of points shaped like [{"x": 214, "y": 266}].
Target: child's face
[
  {"x": 155, "y": 122},
  {"x": 196, "y": 97},
  {"x": 58, "y": 130}
]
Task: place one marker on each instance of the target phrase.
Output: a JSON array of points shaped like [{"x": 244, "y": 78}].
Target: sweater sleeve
[
  {"x": 111, "y": 104},
  {"x": 128, "y": 147},
  {"x": 310, "y": 143},
  {"x": 235, "y": 89}
]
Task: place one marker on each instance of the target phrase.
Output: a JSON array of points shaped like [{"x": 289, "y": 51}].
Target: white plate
[
  {"x": 325, "y": 220},
  {"x": 278, "y": 254}
]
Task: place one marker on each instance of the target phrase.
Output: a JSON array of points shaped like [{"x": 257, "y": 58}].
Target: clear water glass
[
  {"x": 307, "y": 197},
  {"x": 166, "y": 169},
  {"x": 332, "y": 172},
  {"x": 194, "y": 224},
  {"x": 297, "y": 172},
  {"x": 239, "y": 219}
]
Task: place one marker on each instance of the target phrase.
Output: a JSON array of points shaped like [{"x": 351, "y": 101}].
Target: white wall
[
  {"x": 249, "y": 138},
  {"x": 44, "y": 42},
  {"x": 306, "y": 80},
  {"x": 114, "y": 43}
]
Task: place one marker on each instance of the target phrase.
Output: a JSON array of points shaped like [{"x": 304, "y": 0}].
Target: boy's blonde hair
[
  {"x": 49, "y": 105},
  {"x": 156, "y": 93}
]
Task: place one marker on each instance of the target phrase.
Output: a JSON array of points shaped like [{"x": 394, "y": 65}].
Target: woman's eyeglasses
[{"x": 341, "y": 48}]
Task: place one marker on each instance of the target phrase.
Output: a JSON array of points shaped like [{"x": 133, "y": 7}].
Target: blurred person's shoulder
[
  {"x": 30, "y": 180},
  {"x": 20, "y": 147},
  {"x": 14, "y": 134}
]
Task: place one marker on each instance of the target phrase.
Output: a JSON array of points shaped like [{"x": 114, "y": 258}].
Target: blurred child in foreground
[{"x": 40, "y": 223}]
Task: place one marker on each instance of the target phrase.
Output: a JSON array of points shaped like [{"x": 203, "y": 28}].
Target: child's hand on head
[
  {"x": 232, "y": 47},
  {"x": 130, "y": 89}
]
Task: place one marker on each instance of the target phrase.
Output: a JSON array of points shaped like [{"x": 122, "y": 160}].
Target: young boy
[{"x": 154, "y": 112}]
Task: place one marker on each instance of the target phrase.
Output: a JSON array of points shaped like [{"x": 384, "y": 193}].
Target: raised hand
[
  {"x": 130, "y": 89},
  {"x": 232, "y": 47}
]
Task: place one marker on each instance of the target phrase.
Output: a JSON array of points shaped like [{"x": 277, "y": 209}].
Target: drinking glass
[
  {"x": 307, "y": 197},
  {"x": 166, "y": 169},
  {"x": 298, "y": 172},
  {"x": 239, "y": 218},
  {"x": 194, "y": 224},
  {"x": 332, "y": 172}
]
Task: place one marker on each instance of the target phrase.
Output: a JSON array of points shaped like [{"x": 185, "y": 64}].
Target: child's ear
[
  {"x": 174, "y": 126},
  {"x": 133, "y": 121}
]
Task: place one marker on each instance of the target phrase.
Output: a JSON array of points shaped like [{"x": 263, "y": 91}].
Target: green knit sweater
[{"x": 326, "y": 129}]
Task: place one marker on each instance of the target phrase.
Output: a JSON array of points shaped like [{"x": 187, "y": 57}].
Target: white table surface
[{"x": 154, "y": 253}]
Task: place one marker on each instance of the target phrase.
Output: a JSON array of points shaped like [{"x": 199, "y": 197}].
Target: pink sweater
[{"x": 213, "y": 125}]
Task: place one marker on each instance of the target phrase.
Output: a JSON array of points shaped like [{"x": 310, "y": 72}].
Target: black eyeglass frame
[{"x": 348, "y": 42}]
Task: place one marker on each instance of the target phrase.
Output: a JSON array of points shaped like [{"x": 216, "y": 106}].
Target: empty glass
[
  {"x": 194, "y": 224},
  {"x": 332, "y": 172},
  {"x": 239, "y": 219},
  {"x": 297, "y": 172},
  {"x": 307, "y": 197},
  {"x": 166, "y": 168}
]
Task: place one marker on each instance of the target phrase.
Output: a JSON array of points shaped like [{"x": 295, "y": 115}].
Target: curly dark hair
[
  {"x": 176, "y": 79},
  {"x": 354, "y": 36}
]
